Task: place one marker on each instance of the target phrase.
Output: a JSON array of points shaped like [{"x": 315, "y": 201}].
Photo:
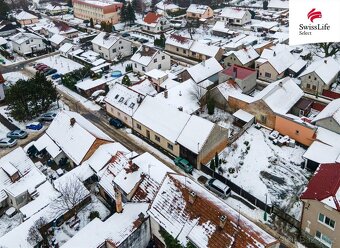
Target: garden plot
[{"x": 263, "y": 169}]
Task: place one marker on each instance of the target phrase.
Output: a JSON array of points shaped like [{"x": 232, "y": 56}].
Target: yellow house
[{"x": 196, "y": 11}]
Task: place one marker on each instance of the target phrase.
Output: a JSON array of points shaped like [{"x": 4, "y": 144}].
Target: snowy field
[
  {"x": 63, "y": 233},
  {"x": 254, "y": 163},
  {"x": 63, "y": 65}
]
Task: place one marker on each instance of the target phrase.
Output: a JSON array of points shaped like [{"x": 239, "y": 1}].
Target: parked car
[
  {"x": 274, "y": 135},
  {"x": 218, "y": 187},
  {"x": 142, "y": 40},
  {"x": 37, "y": 65},
  {"x": 184, "y": 164},
  {"x": 55, "y": 76},
  {"x": 126, "y": 35},
  {"x": 2, "y": 61},
  {"x": 17, "y": 134},
  {"x": 34, "y": 126},
  {"x": 45, "y": 70},
  {"x": 7, "y": 142},
  {"x": 116, "y": 123},
  {"x": 50, "y": 72},
  {"x": 49, "y": 116},
  {"x": 40, "y": 67}
]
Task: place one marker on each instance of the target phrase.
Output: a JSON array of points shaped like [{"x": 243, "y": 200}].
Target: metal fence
[
  {"x": 238, "y": 190},
  {"x": 283, "y": 215}
]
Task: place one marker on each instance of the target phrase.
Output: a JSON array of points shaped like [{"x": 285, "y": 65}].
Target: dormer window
[{"x": 121, "y": 99}]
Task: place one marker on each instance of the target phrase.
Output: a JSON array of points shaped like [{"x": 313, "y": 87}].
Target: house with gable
[
  {"x": 122, "y": 102},
  {"x": 329, "y": 117},
  {"x": 25, "y": 18},
  {"x": 197, "y": 11},
  {"x": 28, "y": 43},
  {"x": 155, "y": 23},
  {"x": 180, "y": 209},
  {"x": 111, "y": 47},
  {"x": 321, "y": 206},
  {"x": 320, "y": 75},
  {"x": 147, "y": 58},
  {"x": 244, "y": 57},
  {"x": 235, "y": 16},
  {"x": 178, "y": 44},
  {"x": 67, "y": 131}
]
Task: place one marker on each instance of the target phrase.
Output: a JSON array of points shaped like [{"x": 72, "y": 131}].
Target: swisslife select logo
[{"x": 313, "y": 21}]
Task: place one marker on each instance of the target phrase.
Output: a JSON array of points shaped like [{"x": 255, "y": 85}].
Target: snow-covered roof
[
  {"x": 331, "y": 110},
  {"x": 45, "y": 142},
  {"x": 243, "y": 115},
  {"x": 234, "y": 13},
  {"x": 195, "y": 133},
  {"x": 144, "y": 55},
  {"x": 115, "y": 229},
  {"x": 179, "y": 41},
  {"x": 163, "y": 119},
  {"x": 184, "y": 95},
  {"x": 52, "y": 7},
  {"x": 3, "y": 41},
  {"x": 124, "y": 99},
  {"x": 197, "y": 8},
  {"x": 68, "y": 137},
  {"x": 245, "y": 55},
  {"x": 144, "y": 87},
  {"x": 23, "y": 15},
  {"x": 172, "y": 210},
  {"x": 57, "y": 39},
  {"x": 278, "y": 4},
  {"x": 298, "y": 65},
  {"x": 204, "y": 70},
  {"x": 105, "y": 40},
  {"x": 220, "y": 26},
  {"x": 281, "y": 61},
  {"x": 205, "y": 49},
  {"x": 30, "y": 176},
  {"x": 164, "y": 6},
  {"x": 326, "y": 69},
  {"x": 66, "y": 47},
  {"x": 90, "y": 83},
  {"x": 20, "y": 38},
  {"x": 156, "y": 74}
]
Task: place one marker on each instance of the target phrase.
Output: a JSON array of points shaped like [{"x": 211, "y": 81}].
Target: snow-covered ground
[
  {"x": 220, "y": 117},
  {"x": 9, "y": 223},
  {"x": 16, "y": 59},
  {"x": 63, "y": 233},
  {"x": 3, "y": 131},
  {"x": 263, "y": 169},
  {"x": 13, "y": 77},
  {"x": 63, "y": 65}
]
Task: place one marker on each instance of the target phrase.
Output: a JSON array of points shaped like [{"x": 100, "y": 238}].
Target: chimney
[
  {"x": 192, "y": 197},
  {"x": 146, "y": 48},
  {"x": 180, "y": 108},
  {"x": 72, "y": 121},
  {"x": 141, "y": 216},
  {"x": 118, "y": 200},
  {"x": 234, "y": 72},
  {"x": 166, "y": 94},
  {"x": 180, "y": 93},
  {"x": 325, "y": 61},
  {"x": 274, "y": 54},
  {"x": 223, "y": 220}
]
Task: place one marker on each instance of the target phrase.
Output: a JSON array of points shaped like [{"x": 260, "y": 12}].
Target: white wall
[
  {"x": 25, "y": 48},
  {"x": 165, "y": 64}
]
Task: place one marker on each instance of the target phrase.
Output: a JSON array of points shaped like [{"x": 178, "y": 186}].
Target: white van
[{"x": 218, "y": 187}]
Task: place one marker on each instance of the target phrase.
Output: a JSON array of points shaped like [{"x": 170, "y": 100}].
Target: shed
[{"x": 243, "y": 119}]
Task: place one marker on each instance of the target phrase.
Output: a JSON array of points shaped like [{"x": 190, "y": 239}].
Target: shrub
[{"x": 94, "y": 214}]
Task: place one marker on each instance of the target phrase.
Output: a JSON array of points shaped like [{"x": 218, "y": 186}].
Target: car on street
[
  {"x": 49, "y": 116},
  {"x": 55, "y": 76},
  {"x": 34, "y": 126},
  {"x": 7, "y": 142},
  {"x": 218, "y": 187},
  {"x": 116, "y": 123},
  {"x": 184, "y": 164},
  {"x": 17, "y": 134}
]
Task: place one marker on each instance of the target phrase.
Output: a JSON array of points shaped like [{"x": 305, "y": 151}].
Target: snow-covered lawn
[
  {"x": 63, "y": 233},
  {"x": 13, "y": 77},
  {"x": 9, "y": 223},
  {"x": 16, "y": 59},
  {"x": 63, "y": 65},
  {"x": 3, "y": 131},
  {"x": 261, "y": 168}
]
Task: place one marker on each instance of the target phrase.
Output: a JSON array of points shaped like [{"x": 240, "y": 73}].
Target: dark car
[
  {"x": 55, "y": 76},
  {"x": 126, "y": 35},
  {"x": 142, "y": 40},
  {"x": 50, "y": 72},
  {"x": 45, "y": 70},
  {"x": 184, "y": 164},
  {"x": 41, "y": 67},
  {"x": 47, "y": 116},
  {"x": 34, "y": 126},
  {"x": 17, "y": 134},
  {"x": 37, "y": 65},
  {"x": 116, "y": 123}
]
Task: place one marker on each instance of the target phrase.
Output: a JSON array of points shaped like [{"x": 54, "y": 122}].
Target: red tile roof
[
  {"x": 151, "y": 17},
  {"x": 325, "y": 183},
  {"x": 2, "y": 80},
  {"x": 242, "y": 72}
]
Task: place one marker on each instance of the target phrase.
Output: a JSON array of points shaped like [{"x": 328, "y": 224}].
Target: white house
[
  {"x": 147, "y": 58},
  {"x": 67, "y": 48},
  {"x": 155, "y": 23},
  {"x": 111, "y": 47},
  {"x": 58, "y": 40},
  {"x": 27, "y": 43},
  {"x": 235, "y": 16}
]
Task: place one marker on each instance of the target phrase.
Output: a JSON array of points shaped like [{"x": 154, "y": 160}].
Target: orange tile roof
[{"x": 151, "y": 17}]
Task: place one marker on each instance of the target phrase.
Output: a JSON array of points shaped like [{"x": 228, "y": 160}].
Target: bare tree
[
  {"x": 328, "y": 48},
  {"x": 197, "y": 93},
  {"x": 35, "y": 234},
  {"x": 72, "y": 193}
]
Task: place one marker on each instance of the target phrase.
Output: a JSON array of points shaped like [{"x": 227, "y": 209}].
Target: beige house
[
  {"x": 25, "y": 18},
  {"x": 196, "y": 11},
  {"x": 320, "y": 75},
  {"x": 321, "y": 206},
  {"x": 243, "y": 57},
  {"x": 329, "y": 117},
  {"x": 122, "y": 102},
  {"x": 99, "y": 11}
]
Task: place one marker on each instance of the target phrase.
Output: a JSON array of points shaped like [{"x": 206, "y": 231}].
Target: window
[
  {"x": 263, "y": 118},
  {"x": 139, "y": 126},
  {"x": 157, "y": 138},
  {"x": 114, "y": 50},
  {"x": 177, "y": 49},
  {"x": 135, "y": 65},
  {"x": 171, "y": 147},
  {"x": 297, "y": 131},
  {"x": 314, "y": 78},
  {"x": 193, "y": 53},
  {"x": 143, "y": 68},
  {"x": 267, "y": 74},
  {"x": 155, "y": 60},
  {"x": 120, "y": 42},
  {"x": 159, "y": 66},
  {"x": 27, "y": 42},
  {"x": 100, "y": 48},
  {"x": 163, "y": 57},
  {"x": 309, "y": 76},
  {"x": 314, "y": 87},
  {"x": 308, "y": 86},
  {"x": 327, "y": 221},
  {"x": 184, "y": 51},
  {"x": 323, "y": 238}
]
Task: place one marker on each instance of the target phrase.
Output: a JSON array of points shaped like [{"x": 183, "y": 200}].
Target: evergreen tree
[
  {"x": 212, "y": 165},
  {"x": 153, "y": 4},
  {"x": 211, "y": 106},
  {"x": 162, "y": 40},
  {"x": 216, "y": 160},
  {"x": 123, "y": 14},
  {"x": 69, "y": 3},
  {"x": 91, "y": 23},
  {"x": 28, "y": 99},
  {"x": 103, "y": 26},
  {"x": 131, "y": 14},
  {"x": 126, "y": 80},
  {"x": 265, "y": 5},
  {"x": 4, "y": 10}
]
